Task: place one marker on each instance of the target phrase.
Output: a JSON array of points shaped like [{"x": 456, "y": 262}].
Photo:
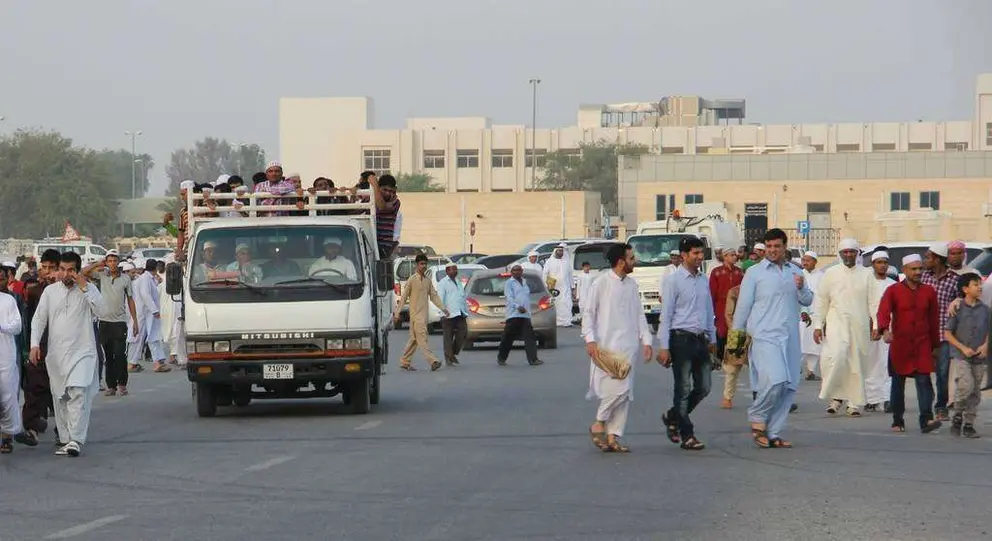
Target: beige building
[{"x": 336, "y": 137}]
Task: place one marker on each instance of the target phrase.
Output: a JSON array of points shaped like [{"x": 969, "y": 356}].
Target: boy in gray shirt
[{"x": 967, "y": 332}]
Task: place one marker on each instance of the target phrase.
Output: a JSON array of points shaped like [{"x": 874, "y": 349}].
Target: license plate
[
  {"x": 277, "y": 371},
  {"x": 498, "y": 309}
]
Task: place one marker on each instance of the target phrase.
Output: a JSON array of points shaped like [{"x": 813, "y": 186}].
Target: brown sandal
[
  {"x": 759, "y": 434},
  {"x": 598, "y": 439},
  {"x": 614, "y": 445},
  {"x": 408, "y": 368}
]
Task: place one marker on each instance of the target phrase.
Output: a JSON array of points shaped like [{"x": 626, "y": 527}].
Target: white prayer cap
[
  {"x": 939, "y": 248},
  {"x": 272, "y": 164},
  {"x": 332, "y": 240},
  {"x": 293, "y": 175},
  {"x": 113, "y": 253},
  {"x": 811, "y": 253},
  {"x": 221, "y": 179},
  {"x": 533, "y": 253},
  {"x": 242, "y": 247},
  {"x": 10, "y": 264},
  {"x": 209, "y": 244},
  {"x": 451, "y": 264},
  {"x": 127, "y": 266},
  {"x": 881, "y": 254},
  {"x": 847, "y": 244},
  {"x": 187, "y": 185},
  {"x": 759, "y": 246},
  {"x": 674, "y": 252},
  {"x": 911, "y": 258}
]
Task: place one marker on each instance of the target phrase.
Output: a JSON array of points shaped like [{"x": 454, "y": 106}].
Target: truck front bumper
[{"x": 253, "y": 371}]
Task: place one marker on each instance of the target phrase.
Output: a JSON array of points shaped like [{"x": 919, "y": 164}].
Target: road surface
[{"x": 480, "y": 452}]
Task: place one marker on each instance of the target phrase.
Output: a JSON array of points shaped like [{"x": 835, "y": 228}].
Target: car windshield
[
  {"x": 276, "y": 257},
  {"x": 412, "y": 251},
  {"x": 594, "y": 254},
  {"x": 982, "y": 263},
  {"x": 405, "y": 268},
  {"x": 528, "y": 247},
  {"x": 493, "y": 285},
  {"x": 654, "y": 250},
  {"x": 463, "y": 275}
]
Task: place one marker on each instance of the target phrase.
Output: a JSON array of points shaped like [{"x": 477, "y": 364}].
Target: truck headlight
[
  {"x": 222, "y": 347},
  {"x": 335, "y": 343},
  {"x": 364, "y": 342},
  {"x": 204, "y": 347}
]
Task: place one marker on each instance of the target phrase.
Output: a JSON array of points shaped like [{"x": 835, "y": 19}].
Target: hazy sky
[{"x": 180, "y": 70}]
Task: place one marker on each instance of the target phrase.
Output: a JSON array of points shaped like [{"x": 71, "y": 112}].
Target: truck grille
[
  {"x": 277, "y": 349},
  {"x": 649, "y": 296}
]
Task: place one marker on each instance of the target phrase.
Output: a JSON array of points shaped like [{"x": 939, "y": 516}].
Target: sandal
[
  {"x": 121, "y": 390},
  {"x": 779, "y": 443},
  {"x": 408, "y": 368},
  {"x": 759, "y": 434},
  {"x": 435, "y": 366},
  {"x": 28, "y": 437},
  {"x": 671, "y": 429},
  {"x": 930, "y": 426},
  {"x": 692, "y": 444},
  {"x": 896, "y": 427},
  {"x": 614, "y": 445},
  {"x": 598, "y": 439},
  {"x": 110, "y": 392},
  {"x": 6, "y": 446}
]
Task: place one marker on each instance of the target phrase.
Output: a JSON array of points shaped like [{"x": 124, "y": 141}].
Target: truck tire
[
  {"x": 359, "y": 397},
  {"x": 241, "y": 398},
  {"x": 205, "y": 399}
]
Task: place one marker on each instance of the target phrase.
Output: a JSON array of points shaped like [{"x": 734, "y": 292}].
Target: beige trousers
[
  {"x": 418, "y": 338},
  {"x": 730, "y": 383}
]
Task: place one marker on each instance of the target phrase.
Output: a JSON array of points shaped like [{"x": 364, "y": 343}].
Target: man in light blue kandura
[{"x": 768, "y": 310}]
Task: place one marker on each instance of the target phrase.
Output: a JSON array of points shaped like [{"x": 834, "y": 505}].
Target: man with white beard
[
  {"x": 811, "y": 350},
  {"x": 843, "y": 311},
  {"x": 878, "y": 383},
  {"x": 66, "y": 311},
  {"x": 531, "y": 263},
  {"x": 559, "y": 267}
]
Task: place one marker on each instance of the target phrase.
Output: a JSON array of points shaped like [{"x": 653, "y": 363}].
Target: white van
[{"x": 88, "y": 252}]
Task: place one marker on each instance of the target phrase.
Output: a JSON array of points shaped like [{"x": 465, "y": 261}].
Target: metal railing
[{"x": 820, "y": 240}]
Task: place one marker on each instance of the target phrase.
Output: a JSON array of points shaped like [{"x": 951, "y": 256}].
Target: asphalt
[{"x": 479, "y": 452}]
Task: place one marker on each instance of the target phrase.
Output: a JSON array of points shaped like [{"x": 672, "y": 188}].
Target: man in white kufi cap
[
  {"x": 878, "y": 383},
  {"x": 843, "y": 314},
  {"x": 811, "y": 350},
  {"x": 559, "y": 268},
  {"x": 531, "y": 263}
]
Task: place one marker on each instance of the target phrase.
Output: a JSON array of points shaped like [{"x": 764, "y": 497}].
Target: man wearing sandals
[
  {"x": 688, "y": 337},
  {"x": 419, "y": 288},
  {"x": 613, "y": 323},
  {"x": 768, "y": 309},
  {"x": 908, "y": 316}
]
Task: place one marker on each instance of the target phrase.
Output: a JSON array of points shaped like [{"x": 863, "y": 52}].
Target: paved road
[{"x": 489, "y": 453}]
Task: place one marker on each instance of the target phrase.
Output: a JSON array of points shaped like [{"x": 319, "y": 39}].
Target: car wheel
[{"x": 205, "y": 399}]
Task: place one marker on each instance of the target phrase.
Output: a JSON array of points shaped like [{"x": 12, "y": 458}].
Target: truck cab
[{"x": 284, "y": 303}]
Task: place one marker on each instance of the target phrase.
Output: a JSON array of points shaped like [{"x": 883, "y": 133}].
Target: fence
[{"x": 821, "y": 241}]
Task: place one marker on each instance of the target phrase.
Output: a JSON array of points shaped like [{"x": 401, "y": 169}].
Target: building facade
[{"x": 336, "y": 137}]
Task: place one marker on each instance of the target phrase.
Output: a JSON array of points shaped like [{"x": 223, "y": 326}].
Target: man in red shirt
[
  {"x": 908, "y": 318},
  {"x": 722, "y": 280}
]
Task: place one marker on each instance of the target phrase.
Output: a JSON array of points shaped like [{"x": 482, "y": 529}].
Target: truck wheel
[
  {"x": 359, "y": 396},
  {"x": 242, "y": 398},
  {"x": 551, "y": 342},
  {"x": 206, "y": 400}
]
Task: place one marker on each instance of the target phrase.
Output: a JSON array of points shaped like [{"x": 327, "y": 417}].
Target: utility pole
[
  {"x": 533, "y": 132},
  {"x": 134, "y": 172}
]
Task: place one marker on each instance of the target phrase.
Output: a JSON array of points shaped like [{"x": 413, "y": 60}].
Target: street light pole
[
  {"x": 134, "y": 172},
  {"x": 533, "y": 132}
]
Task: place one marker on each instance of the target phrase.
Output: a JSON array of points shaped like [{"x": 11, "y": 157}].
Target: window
[
  {"x": 848, "y": 147},
  {"x": 502, "y": 158},
  {"x": 672, "y": 150},
  {"x": 662, "y": 204},
  {"x": 916, "y": 147},
  {"x": 930, "y": 200},
  {"x": 960, "y": 147},
  {"x": 571, "y": 156},
  {"x": 467, "y": 158},
  {"x": 817, "y": 208},
  {"x": 988, "y": 133},
  {"x": 693, "y": 198},
  {"x": 537, "y": 157},
  {"x": 378, "y": 160},
  {"x": 899, "y": 201},
  {"x": 433, "y": 159},
  {"x": 883, "y": 147}
]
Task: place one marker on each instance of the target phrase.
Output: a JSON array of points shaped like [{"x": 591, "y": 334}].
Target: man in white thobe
[
  {"x": 10, "y": 373},
  {"x": 811, "y": 350},
  {"x": 66, "y": 310},
  {"x": 147, "y": 303},
  {"x": 583, "y": 283},
  {"x": 845, "y": 305},
  {"x": 531, "y": 263},
  {"x": 612, "y": 319},
  {"x": 559, "y": 267},
  {"x": 333, "y": 263},
  {"x": 878, "y": 383}
]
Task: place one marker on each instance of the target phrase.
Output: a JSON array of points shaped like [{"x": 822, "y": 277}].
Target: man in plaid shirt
[
  {"x": 938, "y": 276},
  {"x": 275, "y": 184}
]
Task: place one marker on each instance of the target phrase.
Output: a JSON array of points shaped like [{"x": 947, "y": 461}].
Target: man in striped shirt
[
  {"x": 387, "y": 206},
  {"x": 945, "y": 281}
]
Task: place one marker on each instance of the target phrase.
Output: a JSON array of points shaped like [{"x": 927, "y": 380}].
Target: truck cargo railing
[{"x": 203, "y": 207}]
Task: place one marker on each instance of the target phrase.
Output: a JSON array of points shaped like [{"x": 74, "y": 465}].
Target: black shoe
[
  {"x": 969, "y": 432},
  {"x": 501, "y": 362},
  {"x": 537, "y": 362},
  {"x": 956, "y": 423},
  {"x": 871, "y": 407},
  {"x": 887, "y": 407},
  {"x": 27, "y": 438},
  {"x": 754, "y": 395},
  {"x": 793, "y": 408}
]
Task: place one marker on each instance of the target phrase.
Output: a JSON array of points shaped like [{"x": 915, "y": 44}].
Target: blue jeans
[
  {"x": 690, "y": 359},
  {"x": 924, "y": 395},
  {"x": 943, "y": 376}
]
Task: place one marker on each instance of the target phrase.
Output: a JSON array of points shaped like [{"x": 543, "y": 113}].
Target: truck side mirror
[
  {"x": 174, "y": 279},
  {"x": 384, "y": 275},
  {"x": 707, "y": 253}
]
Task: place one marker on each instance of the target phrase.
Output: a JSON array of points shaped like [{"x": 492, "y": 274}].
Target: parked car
[
  {"x": 540, "y": 260},
  {"x": 548, "y": 246},
  {"x": 403, "y": 268},
  {"x": 498, "y": 261},
  {"x": 487, "y": 308},
  {"x": 139, "y": 256},
  {"x": 461, "y": 258},
  {"x": 411, "y": 250},
  {"x": 899, "y": 250},
  {"x": 465, "y": 272}
]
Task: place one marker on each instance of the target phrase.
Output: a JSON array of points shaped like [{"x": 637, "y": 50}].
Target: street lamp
[
  {"x": 533, "y": 131},
  {"x": 134, "y": 172}
]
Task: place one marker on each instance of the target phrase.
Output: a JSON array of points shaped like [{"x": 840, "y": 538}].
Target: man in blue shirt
[
  {"x": 454, "y": 327},
  {"x": 688, "y": 337},
  {"x": 518, "y": 324}
]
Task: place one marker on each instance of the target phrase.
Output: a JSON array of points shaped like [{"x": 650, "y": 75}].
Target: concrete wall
[{"x": 504, "y": 221}]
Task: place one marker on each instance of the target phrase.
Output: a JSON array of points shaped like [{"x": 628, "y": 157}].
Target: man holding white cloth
[{"x": 559, "y": 267}]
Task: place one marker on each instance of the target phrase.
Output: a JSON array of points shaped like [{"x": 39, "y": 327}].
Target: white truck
[
  {"x": 654, "y": 242},
  {"x": 284, "y": 303}
]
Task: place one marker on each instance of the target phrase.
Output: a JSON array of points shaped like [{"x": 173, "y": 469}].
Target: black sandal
[
  {"x": 6, "y": 446},
  {"x": 671, "y": 430},
  {"x": 692, "y": 444},
  {"x": 779, "y": 443},
  {"x": 757, "y": 434},
  {"x": 435, "y": 366}
]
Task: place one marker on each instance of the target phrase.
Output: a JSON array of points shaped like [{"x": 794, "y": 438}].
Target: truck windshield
[
  {"x": 654, "y": 250},
  {"x": 287, "y": 263}
]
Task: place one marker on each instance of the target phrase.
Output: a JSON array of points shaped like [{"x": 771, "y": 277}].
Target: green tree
[
  {"x": 119, "y": 163},
  {"x": 417, "y": 182},
  {"x": 593, "y": 168},
  {"x": 45, "y": 180},
  {"x": 210, "y": 158}
]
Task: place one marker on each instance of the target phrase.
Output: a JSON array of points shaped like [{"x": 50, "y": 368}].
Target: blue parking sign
[{"x": 803, "y": 227}]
